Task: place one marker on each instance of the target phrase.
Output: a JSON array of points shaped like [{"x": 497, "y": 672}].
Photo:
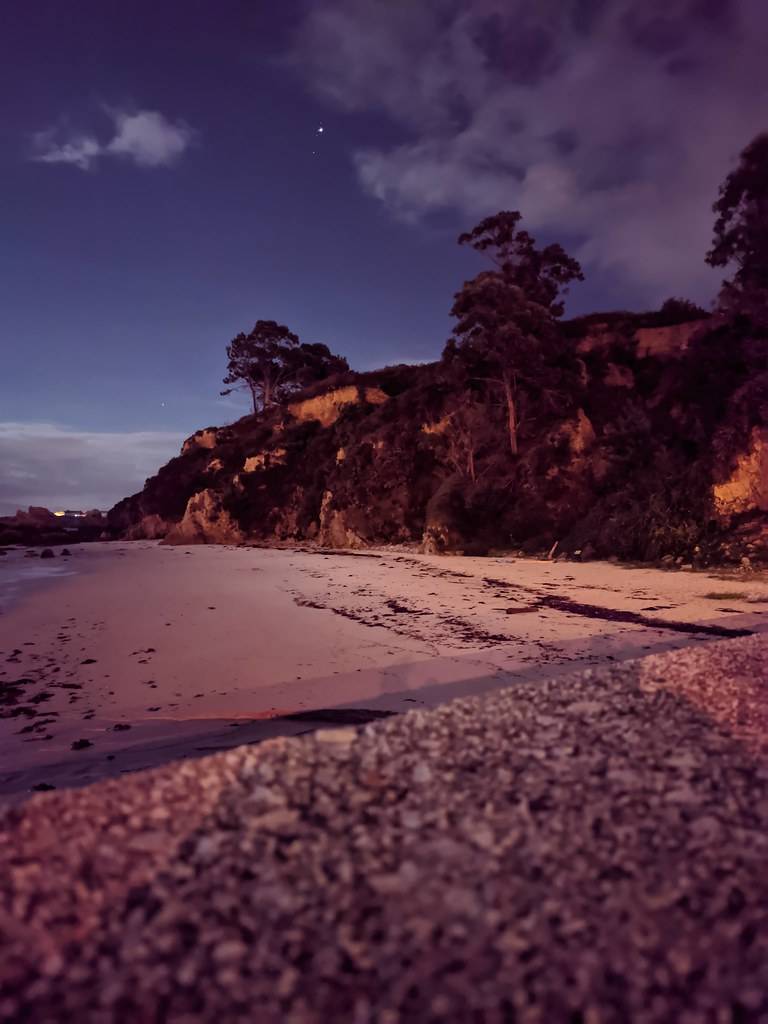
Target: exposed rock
[
  {"x": 439, "y": 427},
  {"x": 581, "y": 433},
  {"x": 327, "y": 408},
  {"x": 667, "y": 341},
  {"x": 38, "y": 515},
  {"x": 444, "y": 521},
  {"x": 619, "y": 376},
  {"x": 336, "y": 529},
  {"x": 746, "y": 490},
  {"x": 207, "y": 438},
  {"x": 47, "y": 553},
  {"x": 264, "y": 460},
  {"x": 205, "y": 521},
  {"x": 150, "y": 527}
]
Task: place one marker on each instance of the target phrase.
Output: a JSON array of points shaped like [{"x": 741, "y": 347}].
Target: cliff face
[{"x": 655, "y": 447}]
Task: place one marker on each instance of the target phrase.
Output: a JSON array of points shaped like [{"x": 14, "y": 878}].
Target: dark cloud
[
  {"x": 657, "y": 34},
  {"x": 44, "y": 464},
  {"x": 609, "y": 122}
]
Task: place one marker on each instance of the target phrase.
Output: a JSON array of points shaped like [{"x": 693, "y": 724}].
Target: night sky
[{"x": 164, "y": 184}]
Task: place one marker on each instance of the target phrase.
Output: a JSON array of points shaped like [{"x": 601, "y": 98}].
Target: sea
[{"x": 20, "y": 574}]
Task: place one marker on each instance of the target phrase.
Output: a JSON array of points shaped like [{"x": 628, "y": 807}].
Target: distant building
[{"x": 72, "y": 513}]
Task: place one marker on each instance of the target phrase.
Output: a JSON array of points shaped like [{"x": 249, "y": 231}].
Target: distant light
[{"x": 59, "y": 513}]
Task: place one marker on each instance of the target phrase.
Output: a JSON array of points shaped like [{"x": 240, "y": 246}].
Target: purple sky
[{"x": 165, "y": 184}]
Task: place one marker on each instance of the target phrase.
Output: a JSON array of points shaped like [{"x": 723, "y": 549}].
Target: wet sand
[{"x": 148, "y": 653}]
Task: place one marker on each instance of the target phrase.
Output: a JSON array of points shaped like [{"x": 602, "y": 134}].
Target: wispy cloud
[
  {"x": 145, "y": 137},
  {"x": 47, "y": 464},
  {"x": 609, "y": 125}
]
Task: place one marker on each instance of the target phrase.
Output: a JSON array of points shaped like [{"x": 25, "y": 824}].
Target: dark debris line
[
  {"x": 593, "y": 611},
  {"x": 591, "y": 848}
]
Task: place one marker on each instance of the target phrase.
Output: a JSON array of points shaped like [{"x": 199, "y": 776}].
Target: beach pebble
[{"x": 336, "y": 737}]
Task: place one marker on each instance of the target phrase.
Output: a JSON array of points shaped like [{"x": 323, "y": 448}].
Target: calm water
[{"x": 19, "y": 574}]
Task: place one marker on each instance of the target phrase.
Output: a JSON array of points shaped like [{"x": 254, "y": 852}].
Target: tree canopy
[
  {"x": 543, "y": 275},
  {"x": 270, "y": 362},
  {"x": 741, "y": 233},
  {"x": 506, "y": 331}
]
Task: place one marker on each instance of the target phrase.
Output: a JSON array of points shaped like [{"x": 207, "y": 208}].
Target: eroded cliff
[{"x": 654, "y": 448}]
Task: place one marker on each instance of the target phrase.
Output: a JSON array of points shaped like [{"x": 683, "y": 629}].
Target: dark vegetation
[
  {"x": 529, "y": 432},
  {"x": 270, "y": 363}
]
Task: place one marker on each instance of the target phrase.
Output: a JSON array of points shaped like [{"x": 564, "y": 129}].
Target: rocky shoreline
[{"x": 588, "y": 848}]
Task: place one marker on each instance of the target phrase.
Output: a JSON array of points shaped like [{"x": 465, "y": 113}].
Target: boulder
[
  {"x": 205, "y": 521},
  {"x": 152, "y": 527},
  {"x": 339, "y": 528},
  {"x": 47, "y": 553},
  {"x": 444, "y": 520}
]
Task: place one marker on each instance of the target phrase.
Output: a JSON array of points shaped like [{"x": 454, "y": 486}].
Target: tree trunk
[
  {"x": 509, "y": 395},
  {"x": 253, "y": 398}
]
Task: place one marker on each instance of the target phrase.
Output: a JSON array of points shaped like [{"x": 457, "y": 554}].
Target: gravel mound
[{"x": 591, "y": 849}]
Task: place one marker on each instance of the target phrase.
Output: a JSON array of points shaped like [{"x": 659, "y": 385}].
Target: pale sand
[{"x": 183, "y": 642}]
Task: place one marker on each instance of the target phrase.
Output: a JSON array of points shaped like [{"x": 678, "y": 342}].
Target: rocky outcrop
[
  {"x": 447, "y": 522},
  {"x": 148, "y": 528},
  {"x": 207, "y": 438},
  {"x": 38, "y": 525},
  {"x": 327, "y": 408},
  {"x": 264, "y": 460},
  {"x": 619, "y": 376},
  {"x": 580, "y": 433},
  {"x": 340, "y": 528},
  {"x": 746, "y": 490},
  {"x": 205, "y": 521},
  {"x": 665, "y": 341},
  {"x": 439, "y": 427}
]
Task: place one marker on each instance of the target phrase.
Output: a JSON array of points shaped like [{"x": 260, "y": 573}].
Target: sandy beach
[{"x": 130, "y": 655}]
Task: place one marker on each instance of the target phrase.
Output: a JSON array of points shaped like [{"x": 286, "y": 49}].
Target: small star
[{"x": 320, "y": 130}]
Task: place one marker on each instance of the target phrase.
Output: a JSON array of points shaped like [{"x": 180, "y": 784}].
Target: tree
[
  {"x": 270, "y": 363},
  {"x": 542, "y": 274},
  {"x": 506, "y": 332},
  {"x": 741, "y": 233},
  {"x": 680, "y": 311}
]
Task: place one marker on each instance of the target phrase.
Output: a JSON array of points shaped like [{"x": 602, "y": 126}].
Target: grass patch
[{"x": 726, "y": 595}]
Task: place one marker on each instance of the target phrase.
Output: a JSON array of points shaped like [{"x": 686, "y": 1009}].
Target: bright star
[{"x": 320, "y": 130}]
